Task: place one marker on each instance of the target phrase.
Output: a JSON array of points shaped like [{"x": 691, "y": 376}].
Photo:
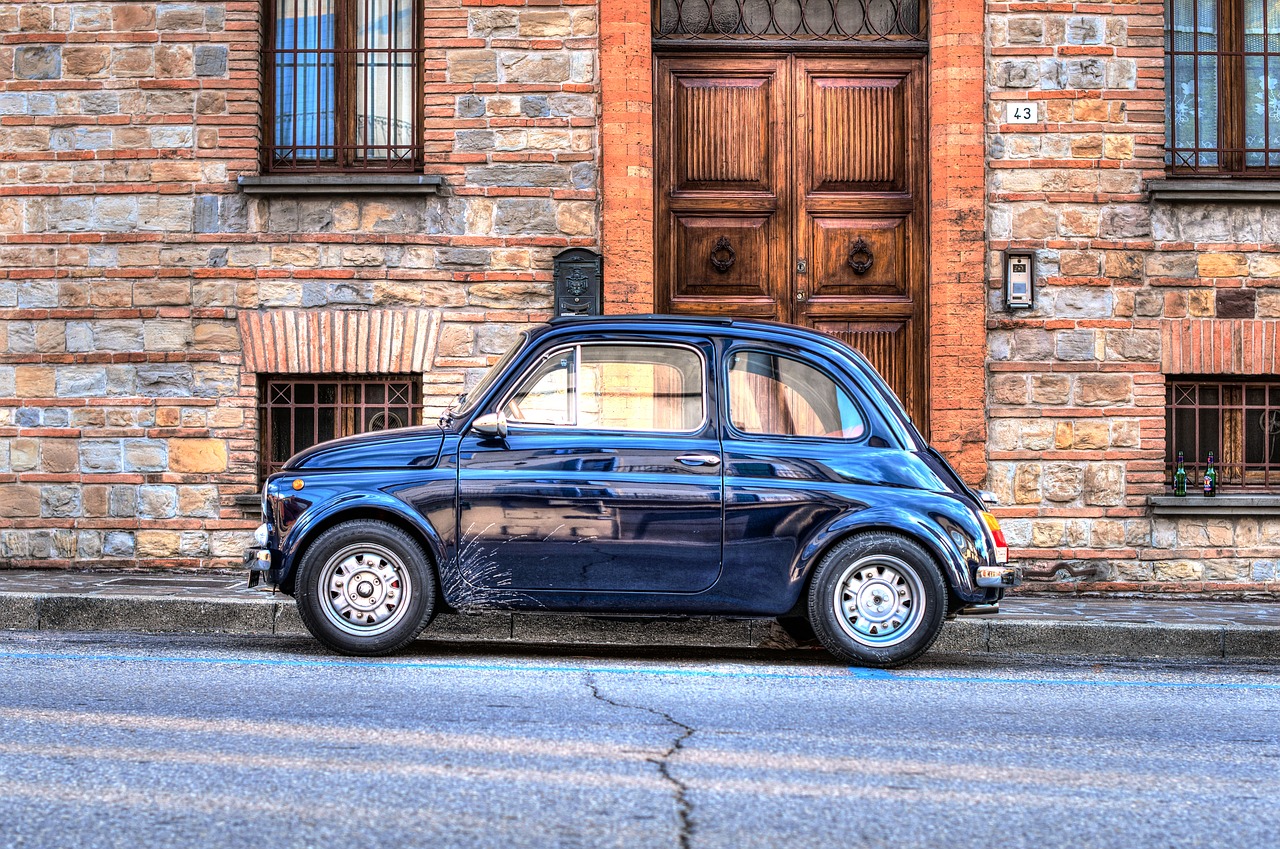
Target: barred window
[
  {"x": 1222, "y": 68},
  {"x": 344, "y": 82},
  {"x": 1238, "y": 420},
  {"x": 295, "y": 413}
]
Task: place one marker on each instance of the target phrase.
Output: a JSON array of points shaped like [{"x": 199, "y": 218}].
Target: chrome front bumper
[
  {"x": 998, "y": 576},
  {"x": 258, "y": 562}
]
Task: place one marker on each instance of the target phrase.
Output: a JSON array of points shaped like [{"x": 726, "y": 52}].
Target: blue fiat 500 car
[{"x": 638, "y": 466}]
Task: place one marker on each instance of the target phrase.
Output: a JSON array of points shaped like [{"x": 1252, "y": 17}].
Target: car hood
[{"x": 416, "y": 447}]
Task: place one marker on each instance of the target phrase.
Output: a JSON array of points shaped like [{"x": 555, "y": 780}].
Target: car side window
[
  {"x": 771, "y": 394},
  {"x": 613, "y": 387}
]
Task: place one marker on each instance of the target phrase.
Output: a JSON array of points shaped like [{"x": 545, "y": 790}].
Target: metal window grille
[
  {"x": 343, "y": 85},
  {"x": 1239, "y": 421},
  {"x": 1222, "y": 70},
  {"x": 294, "y": 413},
  {"x": 801, "y": 20}
]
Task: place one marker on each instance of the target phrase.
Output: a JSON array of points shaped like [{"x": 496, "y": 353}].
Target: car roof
[{"x": 714, "y": 325}]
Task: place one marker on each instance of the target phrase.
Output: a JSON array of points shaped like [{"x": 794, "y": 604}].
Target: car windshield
[{"x": 469, "y": 398}]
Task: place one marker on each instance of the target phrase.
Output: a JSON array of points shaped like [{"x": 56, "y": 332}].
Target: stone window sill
[
  {"x": 1198, "y": 190},
  {"x": 1231, "y": 504},
  {"x": 343, "y": 184}
]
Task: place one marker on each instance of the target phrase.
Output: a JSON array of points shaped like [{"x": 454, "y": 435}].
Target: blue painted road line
[{"x": 854, "y": 673}]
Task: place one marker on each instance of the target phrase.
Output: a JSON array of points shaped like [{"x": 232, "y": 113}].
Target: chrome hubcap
[
  {"x": 879, "y": 600},
  {"x": 365, "y": 588}
]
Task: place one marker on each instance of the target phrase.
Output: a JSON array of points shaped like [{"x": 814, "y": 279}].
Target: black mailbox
[{"x": 579, "y": 278}]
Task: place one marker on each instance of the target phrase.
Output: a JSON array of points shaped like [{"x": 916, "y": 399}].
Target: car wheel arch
[
  {"x": 298, "y": 549},
  {"x": 830, "y": 538}
]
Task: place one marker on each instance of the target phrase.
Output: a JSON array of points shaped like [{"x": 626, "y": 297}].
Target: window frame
[
  {"x": 1269, "y": 469},
  {"x": 821, "y": 368},
  {"x": 265, "y": 408},
  {"x": 345, "y": 148},
  {"x": 1230, "y": 146},
  {"x": 538, "y": 361}
]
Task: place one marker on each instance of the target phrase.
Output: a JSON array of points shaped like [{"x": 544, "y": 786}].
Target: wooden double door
[{"x": 793, "y": 188}]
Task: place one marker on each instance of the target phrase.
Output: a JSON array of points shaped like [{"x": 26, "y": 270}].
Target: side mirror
[
  {"x": 492, "y": 424},
  {"x": 988, "y": 497}
]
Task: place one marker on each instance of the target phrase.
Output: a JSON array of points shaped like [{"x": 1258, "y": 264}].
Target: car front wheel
[
  {"x": 365, "y": 587},
  {"x": 877, "y": 599}
]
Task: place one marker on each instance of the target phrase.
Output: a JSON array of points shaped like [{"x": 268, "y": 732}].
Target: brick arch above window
[
  {"x": 1221, "y": 346},
  {"x": 339, "y": 341}
]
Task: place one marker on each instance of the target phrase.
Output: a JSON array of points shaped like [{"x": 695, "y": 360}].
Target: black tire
[
  {"x": 365, "y": 588},
  {"x": 877, "y": 599}
]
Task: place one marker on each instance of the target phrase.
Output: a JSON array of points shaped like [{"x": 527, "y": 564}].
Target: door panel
[
  {"x": 857, "y": 122},
  {"x": 570, "y": 510},
  {"x": 884, "y": 344},
  {"x": 723, "y": 227},
  {"x": 842, "y": 245},
  {"x": 826, "y": 227}
]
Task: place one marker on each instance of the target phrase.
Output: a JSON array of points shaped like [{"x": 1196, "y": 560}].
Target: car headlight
[{"x": 262, "y": 535}]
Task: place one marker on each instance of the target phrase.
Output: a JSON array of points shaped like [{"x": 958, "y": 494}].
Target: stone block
[
  {"x": 164, "y": 380},
  {"x": 211, "y": 60},
  {"x": 1026, "y": 30},
  {"x": 524, "y": 216},
  {"x": 1094, "y": 390},
  {"x": 1026, "y": 483},
  {"x": 1074, "y": 345},
  {"x": 1062, "y": 482},
  {"x": 199, "y": 501},
  {"x": 145, "y": 455},
  {"x": 1235, "y": 303},
  {"x": 1084, "y": 29},
  {"x": 198, "y": 456},
  {"x": 19, "y": 500},
  {"x": 520, "y": 175},
  {"x": 179, "y": 16},
  {"x": 1009, "y": 389},
  {"x": 513, "y": 295},
  {"x": 84, "y": 60},
  {"x": 1178, "y": 570},
  {"x": 1135, "y": 345},
  {"x": 524, "y": 66},
  {"x": 37, "y": 62},
  {"x": 60, "y": 456},
  {"x": 1050, "y": 388},
  {"x": 546, "y": 24},
  {"x": 1104, "y": 484},
  {"x": 1214, "y": 264},
  {"x": 118, "y": 544},
  {"x": 472, "y": 66}
]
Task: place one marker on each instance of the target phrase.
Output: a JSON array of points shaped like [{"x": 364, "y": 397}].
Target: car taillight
[{"x": 997, "y": 537}]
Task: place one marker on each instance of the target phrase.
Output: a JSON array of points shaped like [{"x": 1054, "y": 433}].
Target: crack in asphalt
[{"x": 684, "y": 807}]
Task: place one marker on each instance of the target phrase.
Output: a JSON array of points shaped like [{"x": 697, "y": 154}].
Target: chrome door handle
[{"x": 698, "y": 459}]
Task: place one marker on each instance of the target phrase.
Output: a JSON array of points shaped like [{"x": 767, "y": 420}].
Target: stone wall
[
  {"x": 128, "y": 251},
  {"x": 1076, "y": 386}
]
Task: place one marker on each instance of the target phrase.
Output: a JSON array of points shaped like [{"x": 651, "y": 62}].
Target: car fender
[
  {"x": 322, "y": 514},
  {"x": 935, "y": 530}
]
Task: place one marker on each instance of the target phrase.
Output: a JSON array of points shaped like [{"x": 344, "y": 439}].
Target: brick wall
[
  {"x": 1076, "y": 386},
  {"x": 128, "y": 252}
]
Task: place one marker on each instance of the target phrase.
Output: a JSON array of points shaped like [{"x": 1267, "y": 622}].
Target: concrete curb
[{"x": 277, "y": 616}]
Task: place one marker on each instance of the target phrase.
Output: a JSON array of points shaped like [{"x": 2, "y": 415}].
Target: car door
[{"x": 608, "y": 478}]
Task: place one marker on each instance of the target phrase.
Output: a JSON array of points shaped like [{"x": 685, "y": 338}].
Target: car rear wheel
[
  {"x": 877, "y": 599},
  {"x": 365, "y": 587}
]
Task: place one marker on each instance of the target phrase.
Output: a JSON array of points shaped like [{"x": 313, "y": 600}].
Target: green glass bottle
[
  {"x": 1210, "y": 479},
  {"x": 1180, "y": 479}
]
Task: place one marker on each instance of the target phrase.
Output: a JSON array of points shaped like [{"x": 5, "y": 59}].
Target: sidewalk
[{"x": 215, "y": 603}]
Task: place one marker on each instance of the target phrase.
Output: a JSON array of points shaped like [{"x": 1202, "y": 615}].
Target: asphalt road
[{"x": 136, "y": 741}]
